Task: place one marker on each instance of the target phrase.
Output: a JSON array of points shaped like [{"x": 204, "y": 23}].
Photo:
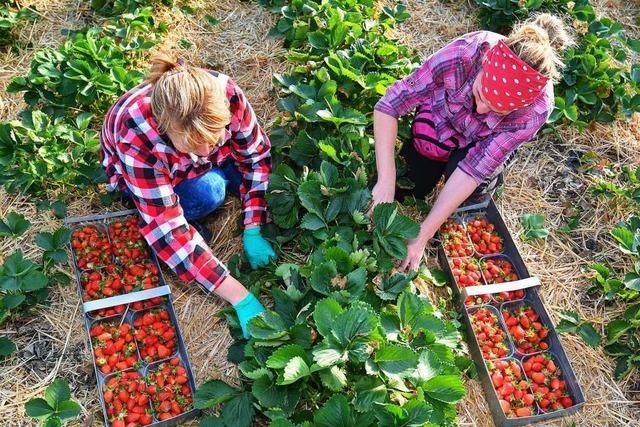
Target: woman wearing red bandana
[{"x": 476, "y": 101}]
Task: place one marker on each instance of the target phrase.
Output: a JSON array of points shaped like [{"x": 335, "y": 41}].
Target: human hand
[
  {"x": 258, "y": 250},
  {"x": 247, "y": 309},
  {"x": 383, "y": 192}
]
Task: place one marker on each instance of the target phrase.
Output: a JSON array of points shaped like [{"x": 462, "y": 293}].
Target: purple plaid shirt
[{"x": 444, "y": 82}]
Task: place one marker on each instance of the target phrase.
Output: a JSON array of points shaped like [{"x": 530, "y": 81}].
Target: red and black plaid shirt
[{"x": 136, "y": 156}]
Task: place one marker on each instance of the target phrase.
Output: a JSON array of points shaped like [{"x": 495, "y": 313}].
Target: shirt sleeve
[
  {"x": 486, "y": 157},
  {"x": 165, "y": 228},
  {"x": 417, "y": 88},
  {"x": 251, "y": 150}
]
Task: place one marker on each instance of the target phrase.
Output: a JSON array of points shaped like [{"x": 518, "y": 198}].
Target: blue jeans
[{"x": 204, "y": 194}]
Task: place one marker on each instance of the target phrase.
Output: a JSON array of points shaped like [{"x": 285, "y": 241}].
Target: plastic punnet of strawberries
[
  {"x": 126, "y": 400},
  {"x": 489, "y": 333},
  {"x": 549, "y": 389},
  {"x": 455, "y": 240},
  {"x": 155, "y": 335},
  {"x": 105, "y": 312},
  {"x": 528, "y": 333},
  {"x": 113, "y": 346},
  {"x": 147, "y": 303},
  {"x": 484, "y": 236},
  {"x": 500, "y": 270},
  {"x": 128, "y": 243},
  {"x": 168, "y": 387},
  {"x": 102, "y": 283},
  {"x": 91, "y": 247},
  {"x": 512, "y": 388},
  {"x": 466, "y": 272},
  {"x": 140, "y": 276}
]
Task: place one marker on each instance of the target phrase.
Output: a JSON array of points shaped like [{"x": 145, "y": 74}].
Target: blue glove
[
  {"x": 248, "y": 308},
  {"x": 258, "y": 250}
]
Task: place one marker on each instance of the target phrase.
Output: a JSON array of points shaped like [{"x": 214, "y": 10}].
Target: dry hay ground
[{"x": 53, "y": 342}]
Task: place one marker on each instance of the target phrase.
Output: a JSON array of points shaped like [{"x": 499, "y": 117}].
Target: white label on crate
[
  {"x": 126, "y": 298},
  {"x": 529, "y": 282}
]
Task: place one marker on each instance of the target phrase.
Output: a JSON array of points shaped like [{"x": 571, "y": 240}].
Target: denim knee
[{"x": 202, "y": 195}]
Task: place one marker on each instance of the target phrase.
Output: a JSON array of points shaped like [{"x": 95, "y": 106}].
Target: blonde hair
[
  {"x": 188, "y": 101},
  {"x": 540, "y": 42}
]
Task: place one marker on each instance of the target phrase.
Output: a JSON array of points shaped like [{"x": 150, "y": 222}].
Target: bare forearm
[
  {"x": 231, "y": 290},
  {"x": 458, "y": 187},
  {"x": 385, "y": 131}
]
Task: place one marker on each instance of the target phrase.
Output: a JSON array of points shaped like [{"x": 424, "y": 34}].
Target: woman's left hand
[
  {"x": 258, "y": 250},
  {"x": 415, "y": 249}
]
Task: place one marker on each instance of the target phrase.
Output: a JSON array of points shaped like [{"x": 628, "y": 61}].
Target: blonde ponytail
[{"x": 540, "y": 41}]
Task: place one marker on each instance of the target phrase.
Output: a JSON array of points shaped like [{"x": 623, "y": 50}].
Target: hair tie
[{"x": 180, "y": 62}]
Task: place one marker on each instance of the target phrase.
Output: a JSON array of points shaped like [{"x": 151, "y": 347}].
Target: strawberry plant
[
  {"x": 38, "y": 152},
  {"x": 14, "y": 225},
  {"x": 11, "y": 15},
  {"x": 119, "y": 7},
  {"x": 90, "y": 70},
  {"x": 55, "y": 407},
  {"x": 533, "y": 227},
  {"x": 623, "y": 341}
]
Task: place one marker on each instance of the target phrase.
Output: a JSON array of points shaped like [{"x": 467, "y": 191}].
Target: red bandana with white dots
[{"x": 508, "y": 82}]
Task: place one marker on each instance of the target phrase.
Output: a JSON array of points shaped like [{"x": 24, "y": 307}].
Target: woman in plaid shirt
[
  {"x": 174, "y": 144},
  {"x": 476, "y": 101}
]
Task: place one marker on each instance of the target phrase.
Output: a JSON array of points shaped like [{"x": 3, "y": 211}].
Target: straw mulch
[{"x": 53, "y": 342}]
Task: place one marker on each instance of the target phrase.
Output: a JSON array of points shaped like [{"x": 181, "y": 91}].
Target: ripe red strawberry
[
  {"x": 148, "y": 303},
  {"x": 484, "y": 236},
  {"x": 123, "y": 406},
  {"x": 91, "y": 247},
  {"x": 513, "y": 390},
  {"x": 142, "y": 276},
  {"x": 499, "y": 270},
  {"x": 113, "y": 346},
  {"x": 490, "y": 335},
  {"x": 128, "y": 243},
  {"x": 169, "y": 389},
  {"x": 466, "y": 272},
  {"x": 529, "y": 335},
  {"x": 455, "y": 240},
  {"x": 152, "y": 330},
  {"x": 102, "y": 283},
  {"x": 548, "y": 387},
  {"x": 106, "y": 312}
]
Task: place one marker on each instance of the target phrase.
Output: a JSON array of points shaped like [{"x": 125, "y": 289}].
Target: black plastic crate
[
  {"x": 126, "y": 300},
  {"x": 532, "y": 298}
]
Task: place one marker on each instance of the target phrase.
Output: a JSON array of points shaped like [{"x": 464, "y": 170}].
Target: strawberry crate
[
  {"x": 493, "y": 297},
  {"x": 119, "y": 323}
]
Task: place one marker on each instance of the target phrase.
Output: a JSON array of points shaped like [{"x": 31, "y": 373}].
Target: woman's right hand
[{"x": 383, "y": 192}]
